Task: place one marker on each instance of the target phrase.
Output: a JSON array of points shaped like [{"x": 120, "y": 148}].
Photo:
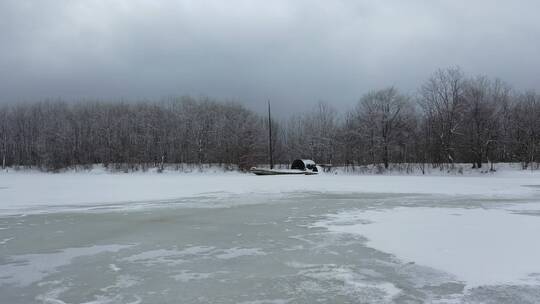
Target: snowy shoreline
[{"x": 406, "y": 169}]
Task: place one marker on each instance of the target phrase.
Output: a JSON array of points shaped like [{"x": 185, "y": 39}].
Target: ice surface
[
  {"x": 351, "y": 282},
  {"x": 239, "y": 252},
  {"x": 238, "y": 238},
  {"x": 30, "y": 192},
  {"x": 187, "y": 276},
  {"x": 272, "y": 301},
  {"x": 479, "y": 246},
  {"x": 168, "y": 256},
  {"x": 26, "y": 269}
]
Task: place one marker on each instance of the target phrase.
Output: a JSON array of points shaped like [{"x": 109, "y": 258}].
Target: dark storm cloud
[{"x": 292, "y": 52}]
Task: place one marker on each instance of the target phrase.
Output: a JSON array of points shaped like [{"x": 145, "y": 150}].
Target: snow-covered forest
[{"x": 451, "y": 118}]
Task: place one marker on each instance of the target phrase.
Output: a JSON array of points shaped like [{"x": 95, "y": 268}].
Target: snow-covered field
[{"x": 97, "y": 237}]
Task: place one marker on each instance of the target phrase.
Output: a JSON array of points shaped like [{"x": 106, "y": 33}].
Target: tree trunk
[{"x": 386, "y": 157}]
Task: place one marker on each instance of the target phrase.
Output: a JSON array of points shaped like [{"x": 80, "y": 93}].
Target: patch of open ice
[
  {"x": 168, "y": 256},
  {"x": 273, "y": 301},
  {"x": 187, "y": 276},
  {"x": 114, "y": 268},
  {"x": 51, "y": 296},
  {"x": 122, "y": 281},
  {"x": 153, "y": 257},
  {"x": 110, "y": 294},
  {"x": 232, "y": 253},
  {"x": 4, "y": 241},
  {"x": 23, "y": 270},
  {"x": 347, "y": 281},
  {"x": 480, "y": 247},
  {"x": 176, "y": 257},
  {"x": 100, "y": 299}
]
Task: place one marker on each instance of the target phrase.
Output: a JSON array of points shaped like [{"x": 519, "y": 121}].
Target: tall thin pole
[{"x": 270, "y": 150}]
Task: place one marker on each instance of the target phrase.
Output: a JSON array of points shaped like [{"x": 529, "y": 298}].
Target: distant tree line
[
  {"x": 55, "y": 135},
  {"x": 452, "y": 119}
]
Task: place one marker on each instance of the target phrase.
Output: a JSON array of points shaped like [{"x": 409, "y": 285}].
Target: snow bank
[
  {"x": 480, "y": 247},
  {"x": 22, "y": 191}
]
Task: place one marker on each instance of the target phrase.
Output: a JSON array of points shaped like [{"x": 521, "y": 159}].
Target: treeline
[
  {"x": 452, "y": 119},
  {"x": 55, "y": 135}
]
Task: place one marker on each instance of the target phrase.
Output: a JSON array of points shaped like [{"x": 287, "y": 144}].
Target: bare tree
[
  {"x": 313, "y": 134},
  {"x": 384, "y": 118},
  {"x": 480, "y": 121},
  {"x": 443, "y": 103}
]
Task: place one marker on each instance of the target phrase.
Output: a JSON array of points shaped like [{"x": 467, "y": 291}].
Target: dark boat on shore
[{"x": 298, "y": 167}]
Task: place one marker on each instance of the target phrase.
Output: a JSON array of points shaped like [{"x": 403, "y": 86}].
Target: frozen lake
[{"x": 294, "y": 247}]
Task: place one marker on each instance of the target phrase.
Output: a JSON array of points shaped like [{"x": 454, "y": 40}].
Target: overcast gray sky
[{"x": 293, "y": 52}]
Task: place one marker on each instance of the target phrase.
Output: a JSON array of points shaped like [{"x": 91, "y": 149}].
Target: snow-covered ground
[{"x": 240, "y": 238}]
